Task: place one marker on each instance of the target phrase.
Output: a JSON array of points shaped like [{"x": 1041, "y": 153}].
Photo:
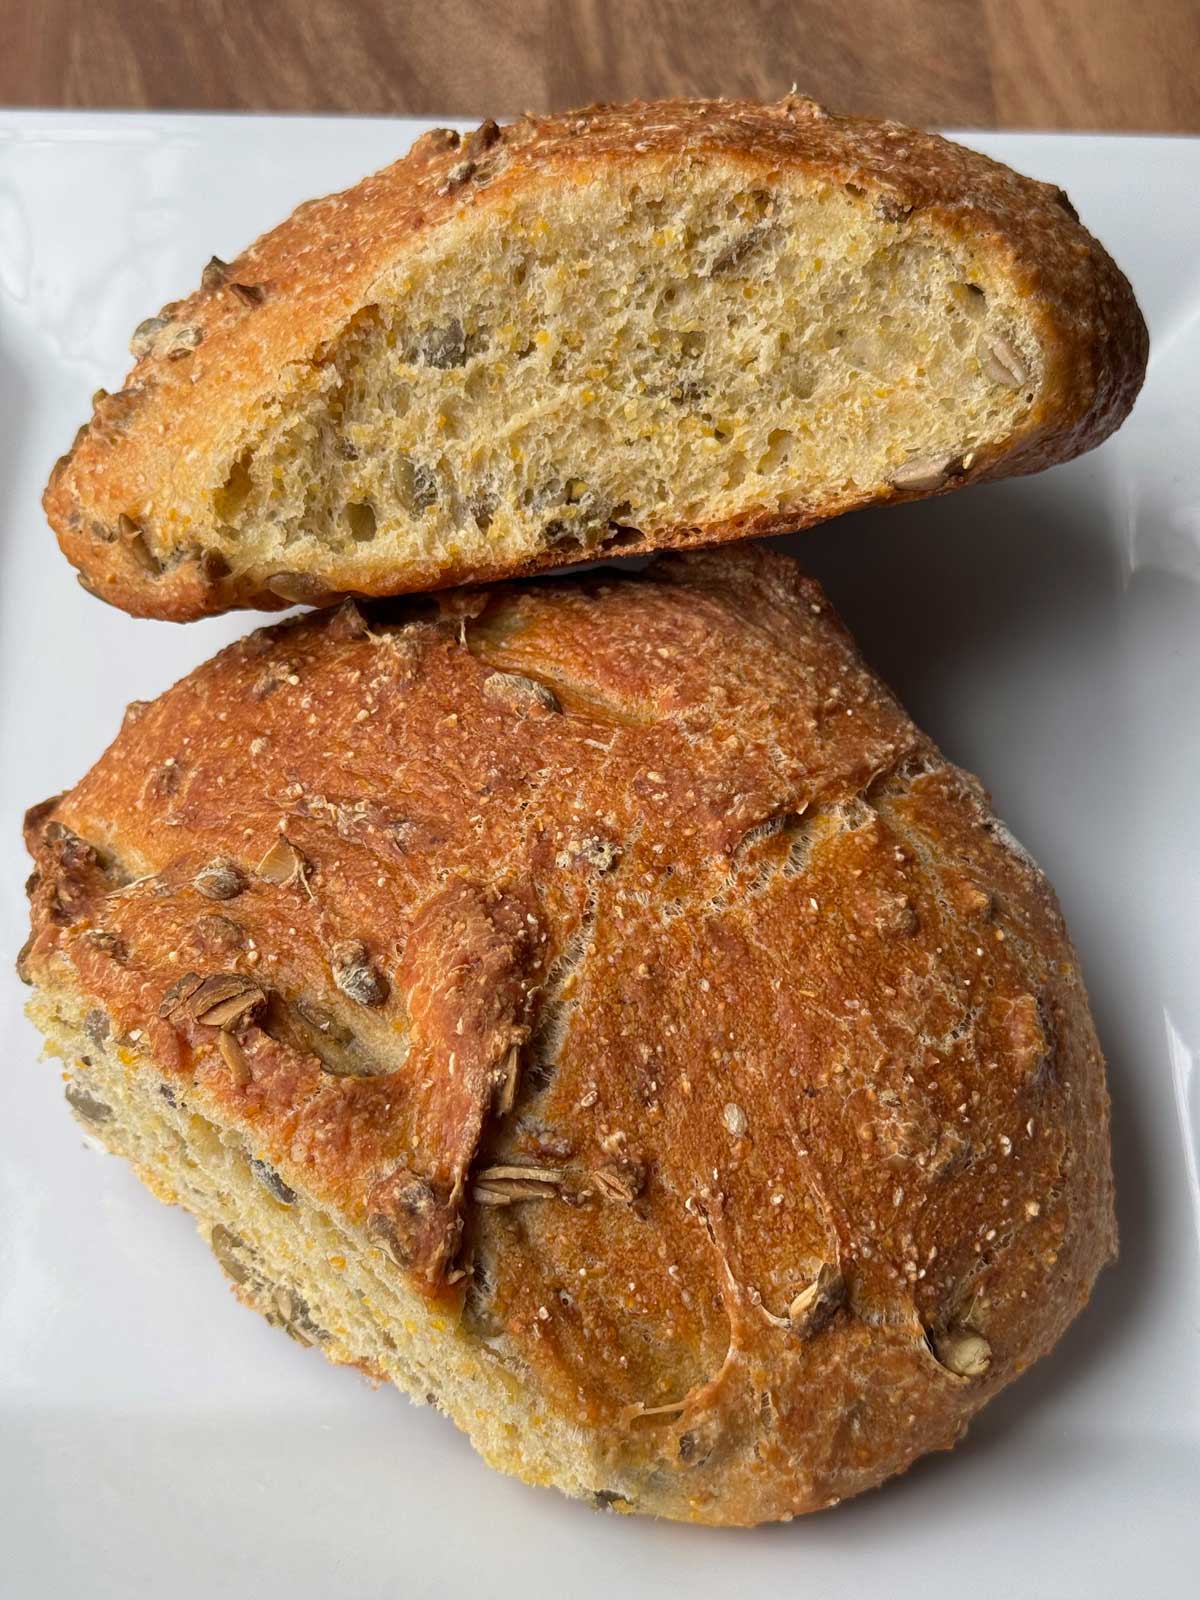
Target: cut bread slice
[{"x": 632, "y": 327}]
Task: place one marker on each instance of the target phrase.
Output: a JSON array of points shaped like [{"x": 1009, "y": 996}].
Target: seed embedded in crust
[
  {"x": 815, "y": 1305},
  {"x": 235, "y": 1059},
  {"x": 213, "y": 566},
  {"x": 250, "y": 294},
  {"x": 221, "y": 879},
  {"x": 300, "y": 588},
  {"x": 311, "y": 1030},
  {"x": 520, "y": 693},
  {"x": 621, "y": 1183},
  {"x": 484, "y": 137},
  {"x": 144, "y": 335},
  {"x": 227, "y": 1000},
  {"x": 501, "y": 1185},
  {"x": 355, "y": 976},
  {"x": 924, "y": 473},
  {"x": 132, "y": 536},
  {"x": 180, "y": 340},
  {"x": 963, "y": 1351},
  {"x": 111, "y": 943},
  {"x": 283, "y": 864},
  {"x": 735, "y": 1120},
  {"x": 214, "y": 273},
  {"x": 348, "y": 622},
  {"x": 179, "y": 991},
  {"x": 216, "y": 934}
]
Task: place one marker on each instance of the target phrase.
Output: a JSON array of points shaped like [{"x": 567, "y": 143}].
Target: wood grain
[
  {"x": 960, "y": 63},
  {"x": 1063, "y": 64}
]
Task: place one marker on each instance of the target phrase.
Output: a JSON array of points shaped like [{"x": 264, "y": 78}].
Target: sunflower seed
[
  {"x": 300, "y": 588},
  {"x": 145, "y": 334},
  {"x": 621, "y": 1184},
  {"x": 179, "y": 991},
  {"x": 134, "y": 540},
  {"x": 214, "y": 272},
  {"x": 415, "y": 484},
  {"x": 737, "y": 250},
  {"x": 86, "y": 1105},
  {"x": 505, "y": 1081},
  {"x": 1002, "y": 364},
  {"x": 214, "y": 934},
  {"x": 180, "y": 340},
  {"x": 111, "y": 943},
  {"x": 815, "y": 1305},
  {"x": 923, "y": 473},
  {"x": 355, "y": 976},
  {"x": 310, "y": 1030},
  {"x": 444, "y": 346},
  {"x": 272, "y": 1182},
  {"x": 213, "y": 566},
  {"x": 221, "y": 879},
  {"x": 484, "y": 137},
  {"x": 225, "y": 1245},
  {"x": 963, "y": 1351},
  {"x": 226, "y": 1000},
  {"x": 325, "y": 1023},
  {"x": 502, "y": 1185},
  {"x": 235, "y": 1059},
  {"x": 283, "y": 864},
  {"x": 519, "y": 693}
]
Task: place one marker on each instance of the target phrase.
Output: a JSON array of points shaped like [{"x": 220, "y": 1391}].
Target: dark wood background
[{"x": 1117, "y": 64}]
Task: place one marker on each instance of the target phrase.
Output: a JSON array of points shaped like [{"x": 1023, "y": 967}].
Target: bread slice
[
  {"x": 624, "y": 328},
  {"x": 596, "y": 1008}
]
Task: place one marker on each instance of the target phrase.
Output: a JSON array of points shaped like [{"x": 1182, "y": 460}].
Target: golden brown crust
[
  {"x": 294, "y": 290},
  {"x": 664, "y": 893}
]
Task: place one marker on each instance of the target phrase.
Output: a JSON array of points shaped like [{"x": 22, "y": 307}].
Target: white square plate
[{"x": 157, "y": 1439}]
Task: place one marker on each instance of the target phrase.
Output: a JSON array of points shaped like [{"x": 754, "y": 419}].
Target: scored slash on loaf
[
  {"x": 596, "y": 1008},
  {"x": 625, "y": 328}
]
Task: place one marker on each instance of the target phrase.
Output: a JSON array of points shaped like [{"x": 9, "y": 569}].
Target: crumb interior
[
  {"x": 680, "y": 347},
  {"x": 310, "y": 1273}
]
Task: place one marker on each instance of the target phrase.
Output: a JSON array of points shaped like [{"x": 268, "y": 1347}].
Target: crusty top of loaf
[
  {"x": 647, "y": 883},
  {"x": 149, "y": 449}
]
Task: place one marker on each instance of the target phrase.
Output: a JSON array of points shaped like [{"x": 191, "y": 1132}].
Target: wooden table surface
[{"x": 1115, "y": 64}]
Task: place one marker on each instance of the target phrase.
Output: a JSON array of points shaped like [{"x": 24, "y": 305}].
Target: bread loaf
[
  {"x": 625, "y": 328},
  {"x": 596, "y": 1008}
]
